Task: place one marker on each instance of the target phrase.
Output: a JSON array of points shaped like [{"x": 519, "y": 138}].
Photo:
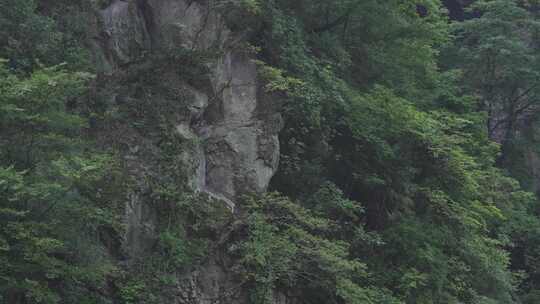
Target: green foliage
[
  {"x": 500, "y": 63},
  {"x": 28, "y": 39},
  {"x": 395, "y": 191},
  {"x": 288, "y": 247},
  {"x": 53, "y": 204},
  {"x": 34, "y": 114},
  {"x": 275, "y": 80},
  {"x": 370, "y": 111},
  {"x": 25, "y": 36}
]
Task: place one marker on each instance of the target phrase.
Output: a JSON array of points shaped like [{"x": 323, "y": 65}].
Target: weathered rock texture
[
  {"x": 230, "y": 125},
  {"x": 240, "y": 146}
]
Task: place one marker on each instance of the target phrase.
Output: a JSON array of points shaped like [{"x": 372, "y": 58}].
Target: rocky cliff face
[
  {"x": 231, "y": 127},
  {"x": 236, "y": 129}
]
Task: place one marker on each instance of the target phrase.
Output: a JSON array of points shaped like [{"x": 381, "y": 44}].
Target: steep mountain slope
[{"x": 269, "y": 152}]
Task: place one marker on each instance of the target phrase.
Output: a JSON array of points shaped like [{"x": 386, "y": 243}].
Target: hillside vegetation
[{"x": 409, "y": 159}]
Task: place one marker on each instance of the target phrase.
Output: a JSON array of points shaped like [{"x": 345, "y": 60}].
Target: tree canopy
[{"x": 408, "y": 169}]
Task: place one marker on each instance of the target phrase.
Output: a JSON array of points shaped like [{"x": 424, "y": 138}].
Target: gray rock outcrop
[
  {"x": 230, "y": 125},
  {"x": 239, "y": 147}
]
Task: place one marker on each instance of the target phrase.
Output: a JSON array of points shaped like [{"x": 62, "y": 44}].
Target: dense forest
[{"x": 409, "y": 153}]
